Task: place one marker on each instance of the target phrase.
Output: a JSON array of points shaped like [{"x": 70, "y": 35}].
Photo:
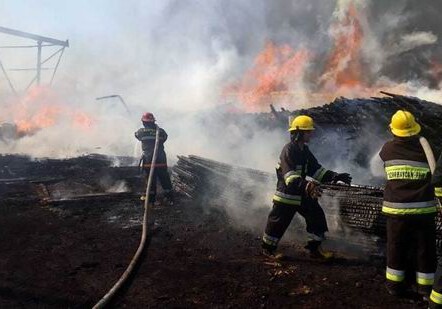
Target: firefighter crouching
[
  {"x": 409, "y": 206},
  {"x": 295, "y": 194},
  {"x": 436, "y": 293},
  {"x": 147, "y": 137}
]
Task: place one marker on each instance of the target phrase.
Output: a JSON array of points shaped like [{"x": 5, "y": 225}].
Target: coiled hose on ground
[{"x": 106, "y": 298}]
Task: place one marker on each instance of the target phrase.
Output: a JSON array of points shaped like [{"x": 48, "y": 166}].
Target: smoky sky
[
  {"x": 152, "y": 47},
  {"x": 175, "y": 56},
  {"x": 202, "y": 28}
]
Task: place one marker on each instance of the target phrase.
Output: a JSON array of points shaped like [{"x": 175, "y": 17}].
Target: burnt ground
[{"x": 70, "y": 254}]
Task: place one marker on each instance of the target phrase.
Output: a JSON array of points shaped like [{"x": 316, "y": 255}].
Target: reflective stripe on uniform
[
  {"x": 319, "y": 174},
  {"x": 290, "y": 176},
  {"x": 287, "y": 198},
  {"x": 406, "y": 172},
  {"x": 406, "y": 162},
  {"x": 436, "y": 297},
  {"x": 424, "y": 278},
  {"x": 395, "y": 275},
  {"x": 413, "y": 208},
  {"x": 414, "y": 205},
  {"x": 270, "y": 240},
  {"x": 421, "y": 211},
  {"x": 438, "y": 191}
]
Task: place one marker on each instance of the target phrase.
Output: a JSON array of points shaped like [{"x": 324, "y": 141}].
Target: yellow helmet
[
  {"x": 302, "y": 122},
  {"x": 403, "y": 124}
]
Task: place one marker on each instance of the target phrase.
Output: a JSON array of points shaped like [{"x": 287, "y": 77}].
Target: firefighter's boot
[
  {"x": 317, "y": 252},
  {"x": 270, "y": 252}
]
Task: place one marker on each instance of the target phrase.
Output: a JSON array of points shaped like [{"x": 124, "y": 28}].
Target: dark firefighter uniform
[
  {"x": 409, "y": 206},
  {"x": 436, "y": 293},
  {"x": 147, "y": 137},
  {"x": 290, "y": 197}
]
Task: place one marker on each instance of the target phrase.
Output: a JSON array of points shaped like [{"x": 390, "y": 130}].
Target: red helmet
[{"x": 148, "y": 117}]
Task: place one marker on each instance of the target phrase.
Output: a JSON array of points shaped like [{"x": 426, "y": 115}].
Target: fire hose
[
  {"x": 106, "y": 298},
  {"x": 430, "y": 157}
]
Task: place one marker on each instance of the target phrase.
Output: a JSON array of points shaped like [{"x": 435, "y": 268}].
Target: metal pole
[
  {"x": 39, "y": 62},
  {"x": 56, "y": 66},
  {"x": 7, "y": 78}
]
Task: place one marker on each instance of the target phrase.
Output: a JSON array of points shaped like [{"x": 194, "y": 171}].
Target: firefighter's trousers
[
  {"x": 436, "y": 293},
  {"x": 163, "y": 176},
  {"x": 282, "y": 214},
  {"x": 411, "y": 244}
]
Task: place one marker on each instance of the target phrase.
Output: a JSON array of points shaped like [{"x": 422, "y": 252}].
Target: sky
[
  {"x": 78, "y": 20},
  {"x": 163, "y": 48},
  {"x": 98, "y": 32}
]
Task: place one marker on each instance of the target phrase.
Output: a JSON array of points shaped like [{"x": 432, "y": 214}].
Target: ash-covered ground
[{"x": 68, "y": 252}]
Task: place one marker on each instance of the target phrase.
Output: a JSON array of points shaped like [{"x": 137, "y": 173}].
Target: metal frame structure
[
  {"x": 41, "y": 42},
  {"x": 119, "y": 97}
]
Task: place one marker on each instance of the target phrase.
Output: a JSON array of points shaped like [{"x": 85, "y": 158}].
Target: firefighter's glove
[
  {"x": 313, "y": 190},
  {"x": 344, "y": 177}
]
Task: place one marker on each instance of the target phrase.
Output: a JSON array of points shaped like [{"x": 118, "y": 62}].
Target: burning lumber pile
[
  {"x": 349, "y": 209},
  {"x": 357, "y": 114},
  {"x": 348, "y": 132},
  {"x": 360, "y": 126}
]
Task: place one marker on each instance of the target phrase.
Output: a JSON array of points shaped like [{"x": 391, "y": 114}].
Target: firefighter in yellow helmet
[
  {"x": 409, "y": 206},
  {"x": 294, "y": 193}
]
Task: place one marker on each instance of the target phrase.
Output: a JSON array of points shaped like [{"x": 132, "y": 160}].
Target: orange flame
[
  {"x": 279, "y": 72},
  {"x": 276, "y": 69},
  {"x": 43, "y": 118},
  {"x": 41, "y": 108},
  {"x": 30, "y": 115},
  {"x": 82, "y": 120},
  {"x": 344, "y": 68}
]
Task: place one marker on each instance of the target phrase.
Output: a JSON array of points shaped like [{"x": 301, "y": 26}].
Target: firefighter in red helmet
[{"x": 146, "y": 136}]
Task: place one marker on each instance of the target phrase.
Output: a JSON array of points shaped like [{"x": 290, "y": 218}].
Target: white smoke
[{"x": 412, "y": 40}]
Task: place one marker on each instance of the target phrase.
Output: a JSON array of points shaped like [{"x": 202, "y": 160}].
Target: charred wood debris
[
  {"x": 355, "y": 208},
  {"x": 354, "y": 116},
  {"x": 48, "y": 181}
]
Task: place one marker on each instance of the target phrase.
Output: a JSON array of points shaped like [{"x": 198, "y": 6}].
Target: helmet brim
[
  {"x": 300, "y": 129},
  {"x": 406, "y": 132}
]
